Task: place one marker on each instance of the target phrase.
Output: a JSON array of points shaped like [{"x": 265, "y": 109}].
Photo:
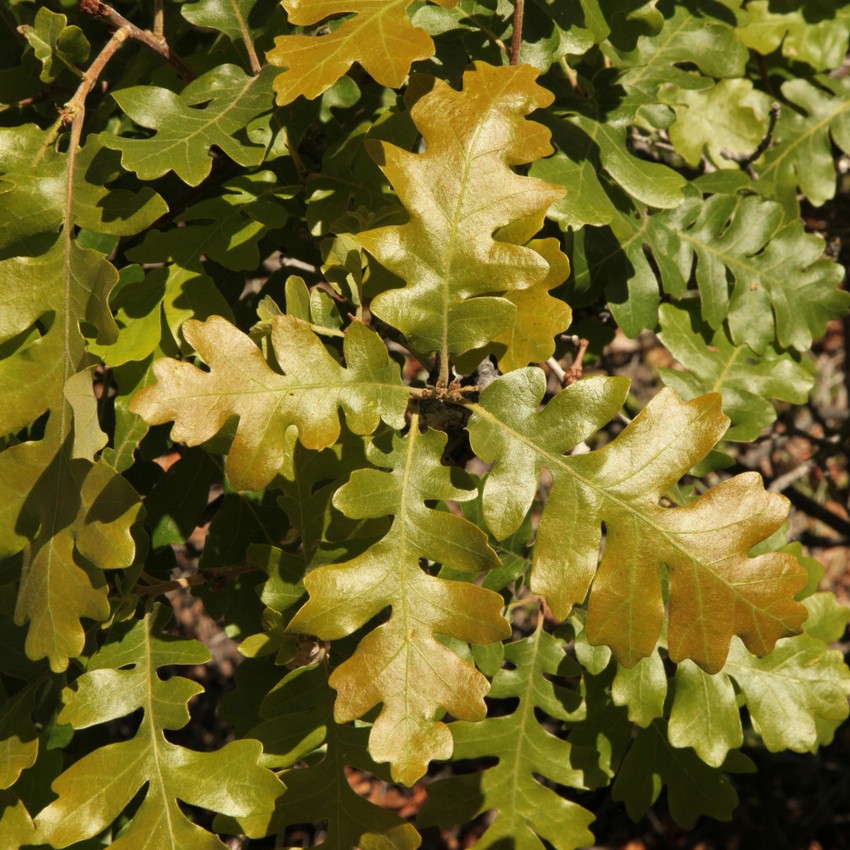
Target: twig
[
  {"x": 783, "y": 482},
  {"x": 210, "y": 576},
  {"x": 745, "y": 160},
  {"x": 516, "y": 44},
  {"x": 159, "y": 45},
  {"x": 158, "y": 19},
  {"x": 73, "y": 112},
  {"x": 575, "y": 371}
]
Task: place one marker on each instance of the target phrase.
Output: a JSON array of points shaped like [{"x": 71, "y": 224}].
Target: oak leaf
[
  {"x": 400, "y": 663},
  {"x": 379, "y": 36},
  {"x": 241, "y": 383},
  {"x": 715, "y": 590},
  {"x": 471, "y": 215}
]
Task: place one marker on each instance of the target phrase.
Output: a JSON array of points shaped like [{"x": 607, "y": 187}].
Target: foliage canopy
[{"x": 429, "y": 547}]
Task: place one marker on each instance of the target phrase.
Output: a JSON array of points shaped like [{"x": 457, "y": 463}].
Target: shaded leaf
[
  {"x": 716, "y": 364},
  {"x": 240, "y": 383},
  {"x": 528, "y": 812},
  {"x": 121, "y": 678},
  {"x": 19, "y": 742},
  {"x": 400, "y": 663},
  {"x": 458, "y": 193},
  {"x": 299, "y": 720},
  {"x": 693, "y": 788},
  {"x": 56, "y": 45},
  {"x": 802, "y": 156},
  {"x": 210, "y": 111},
  {"x": 225, "y": 228},
  {"x": 228, "y": 16},
  {"x": 715, "y": 589},
  {"x": 379, "y": 37}
]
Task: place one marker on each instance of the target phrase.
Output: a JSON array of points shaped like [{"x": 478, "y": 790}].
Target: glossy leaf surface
[
  {"x": 240, "y": 383},
  {"x": 400, "y": 663},
  {"x": 379, "y": 37},
  {"x": 458, "y": 194},
  {"x": 121, "y": 678},
  {"x": 715, "y": 589}
]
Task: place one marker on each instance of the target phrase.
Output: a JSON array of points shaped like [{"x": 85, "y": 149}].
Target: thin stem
[
  {"x": 73, "y": 112},
  {"x": 203, "y": 577},
  {"x": 159, "y": 45},
  {"x": 516, "y": 44},
  {"x": 158, "y": 19}
]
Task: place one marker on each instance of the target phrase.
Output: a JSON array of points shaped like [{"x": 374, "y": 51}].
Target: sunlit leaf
[
  {"x": 715, "y": 589},
  {"x": 240, "y": 383},
  {"x": 210, "y": 111},
  {"x": 458, "y": 193},
  {"x": 379, "y": 37},
  {"x": 715, "y": 364},
  {"x": 121, "y": 678},
  {"x": 400, "y": 663},
  {"x": 57, "y": 46}
]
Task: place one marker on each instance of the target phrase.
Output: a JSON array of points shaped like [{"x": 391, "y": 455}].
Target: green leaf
[
  {"x": 379, "y": 36},
  {"x": 702, "y": 33},
  {"x": 715, "y": 589},
  {"x": 121, "y": 678},
  {"x": 796, "y": 696},
  {"x": 240, "y": 383},
  {"x": 458, "y": 194},
  {"x": 40, "y": 187},
  {"x": 57, "y": 46},
  {"x": 693, "y": 788},
  {"x": 19, "y": 741},
  {"x": 226, "y": 228},
  {"x": 730, "y": 116},
  {"x": 528, "y": 812},
  {"x": 71, "y": 517},
  {"x": 782, "y": 289},
  {"x": 232, "y": 17},
  {"x": 802, "y": 155},
  {"x": 816, "y": 32},
  {"x": 400, "y": 663},
  {"x": 643, "y": 688},
  {"x": 715, "y": 364},
  {"x": 299, "y": 720},
  {"x": 210, "y": 111}
]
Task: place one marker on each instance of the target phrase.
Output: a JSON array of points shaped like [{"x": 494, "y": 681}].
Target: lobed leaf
[
  {"x": 70, "y": 515},
  {"x": 693, "y": 788},
  {"x": 816, "y": 33},
  {"x": 459, "y": 193},
  {"x": 796, "y": 696},
  {"x": 241, "y": 384},
  {"x": 715, "y": 364},
  {"x": 527, "y": 812},
  {"x": 210, "y": 111},
  {"x": 56, "y": 45},
  {"x": 298, "y": 721},
  {"x": 40, "y": 187},
  {"x": 819, "y": 116},
  {"x": 122, "y": 677},
  {"x": 715, "y": 589},
  {"x": 782, "y": 289},
  {"x": 400, "y": 663},
  {"x": 379, "y": 37}
]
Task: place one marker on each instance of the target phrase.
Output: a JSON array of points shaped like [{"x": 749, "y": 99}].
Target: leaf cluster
[{"x": 286, "y": 294}]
